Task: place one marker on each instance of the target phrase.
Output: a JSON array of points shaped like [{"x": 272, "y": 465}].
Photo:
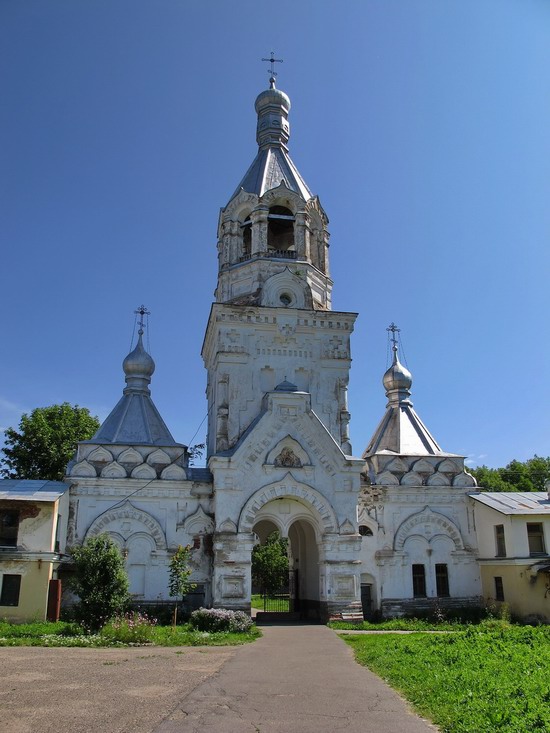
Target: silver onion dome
[
  {"x": 397, "y": 380},
  {"x": 138, "y": 365},
  {"x": 272, "y": 107}
]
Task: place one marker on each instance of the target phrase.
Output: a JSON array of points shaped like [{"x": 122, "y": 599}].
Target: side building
[
  {"x": 513, "y": 531},
  {"x": 33, "y": 525}
]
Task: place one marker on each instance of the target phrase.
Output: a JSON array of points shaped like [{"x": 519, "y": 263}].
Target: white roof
[
  {"x": 32, "y": 490},
  {"x": 514, "y": 502}
]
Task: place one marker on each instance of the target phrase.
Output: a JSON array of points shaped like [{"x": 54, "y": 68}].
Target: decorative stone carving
[
  {"x": 173, "y": 473},
  {"x": 114, "y": 470},
  {"x": 100, "y": 455},
  {"x": 144, "y": 471},
  {"x": 288, "y": 459},
  {"x": 84, "y": 469}
]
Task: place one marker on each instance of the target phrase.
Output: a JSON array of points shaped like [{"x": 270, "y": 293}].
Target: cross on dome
[{"x": 272, "y": 73}]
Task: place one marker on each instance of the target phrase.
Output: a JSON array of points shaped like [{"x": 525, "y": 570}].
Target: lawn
[
  {"x": 66, "y": 634},
  {"x": 273, "y": 604},
  {"x": 489, "y": 677}
]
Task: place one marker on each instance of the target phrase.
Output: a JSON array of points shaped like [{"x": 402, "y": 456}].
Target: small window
[
  {"x": 500, "y": 540},
  {"x": 11, "y": 586},
  {"x": 9, "y": 526},
  {"x": 499, "y": 589},
  {"x": 535, "y": 538},
  {"x": 419, "y": 581},
  {"x": 442, "y": 580},
  {"x": 365, "y": 531}
]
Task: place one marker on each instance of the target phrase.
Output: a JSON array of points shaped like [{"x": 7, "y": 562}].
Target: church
[{"x": 391, "y": 531}]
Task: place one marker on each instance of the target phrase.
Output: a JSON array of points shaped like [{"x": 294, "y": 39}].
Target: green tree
[
  {"x": 178, "y": 580},
  {"x": 46, "y": 441},
  {"x": 530, "y": 475},
  {"x": 100, "y": 581},
  {"x": 270, "y": 563}
]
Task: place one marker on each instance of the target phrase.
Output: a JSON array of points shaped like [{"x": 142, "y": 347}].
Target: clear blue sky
[{"x": 423, "y": 125}]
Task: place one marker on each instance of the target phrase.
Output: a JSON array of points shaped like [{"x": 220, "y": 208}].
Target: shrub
[
  {"x": 100, "y": 581},
  {"x": 131, "y": 628},
  {"x": 220, "y": 619}
]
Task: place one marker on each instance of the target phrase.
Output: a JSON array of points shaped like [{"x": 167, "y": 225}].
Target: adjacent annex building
[{"x": 388, "y": 530}]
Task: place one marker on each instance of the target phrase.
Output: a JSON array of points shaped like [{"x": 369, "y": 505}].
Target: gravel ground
[{"x": 128, "y": 690}]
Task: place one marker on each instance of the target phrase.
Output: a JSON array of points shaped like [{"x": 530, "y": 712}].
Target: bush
[
  {"x": 100, "y": 581},
  {"x": 220, "y": 619},
  {"x": 131, "y": 628}
]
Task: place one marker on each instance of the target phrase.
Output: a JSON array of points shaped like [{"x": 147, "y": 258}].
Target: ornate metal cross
[
  {"x": 142, "y": 311},
  {"x": 394, "y": 330},
  {"x": 272, "y": 60}
]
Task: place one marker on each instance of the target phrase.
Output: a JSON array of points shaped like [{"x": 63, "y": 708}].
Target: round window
[{"x": 285, "y": 298}]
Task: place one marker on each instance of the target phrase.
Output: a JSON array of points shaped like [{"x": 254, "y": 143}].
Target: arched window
[
  {"x": 365, "y": 531},
  {"x": 280, "y": 232},
  {"x": 246, "y": 231}
]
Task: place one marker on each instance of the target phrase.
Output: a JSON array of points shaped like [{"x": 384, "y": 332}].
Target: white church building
[{"x": 392, "y": 530}]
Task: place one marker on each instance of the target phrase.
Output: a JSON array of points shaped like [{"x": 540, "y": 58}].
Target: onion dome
[
  {"x": 138, "y": 366},
  {"x": 272, "y": 107},
  {"x": 397, "y": 380}
]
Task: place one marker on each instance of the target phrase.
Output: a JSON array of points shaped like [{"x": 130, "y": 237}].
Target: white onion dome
[
  {"x": 397, "y": 380},
  {"x": 272, "y": 107},
  {"x": 138, "y": 366}
]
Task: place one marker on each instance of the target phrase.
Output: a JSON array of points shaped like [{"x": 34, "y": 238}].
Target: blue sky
[{"x": 423, "y": 125}]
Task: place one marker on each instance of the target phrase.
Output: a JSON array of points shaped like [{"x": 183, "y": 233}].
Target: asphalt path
[{"x": 295, "y": 679}]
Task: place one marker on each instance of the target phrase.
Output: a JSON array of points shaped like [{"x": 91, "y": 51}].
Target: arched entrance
[
  {"x": 304, "y": 558},
  {"x": 298, "y": 595}
]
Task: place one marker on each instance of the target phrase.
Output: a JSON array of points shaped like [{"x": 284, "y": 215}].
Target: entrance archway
[
  {"x": 297, "y": 598},
  {"x": 304, "y": 554}
]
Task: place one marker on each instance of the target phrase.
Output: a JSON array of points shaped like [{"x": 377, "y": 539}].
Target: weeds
[{"x": 490, "y": 677}]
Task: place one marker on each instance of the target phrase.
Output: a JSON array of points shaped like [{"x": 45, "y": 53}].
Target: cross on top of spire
[
  {"x": 141, "y": 311},
  {"x": 394, "y": 330},
  {"x": 272, "y": 73}
]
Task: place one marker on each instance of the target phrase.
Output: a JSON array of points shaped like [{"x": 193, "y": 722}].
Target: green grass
[
  {"x": 273, "y": 604},
  {"x": 66, "y": 634},
  {"x": 492, "y": 677},
  {"x": 400, "y": 624}
]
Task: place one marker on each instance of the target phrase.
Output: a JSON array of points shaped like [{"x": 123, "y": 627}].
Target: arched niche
[
  {"x": 144, "y": 471},
  {"x": 427, "y": 524},
  {"x": 286, "y": 289},
  {"x": 288, "y": 452},
  {"x": 113, "y": 470},
  {"x": 158, "y": 458},
  {"x": 130, "y": 456},
  {"x": 126, "y": 519},
  {"x": 198, "y": 523},
  {"x": 100, "y": 455},
  {"x": 314, "y": 502},
  {"x": 173, "y": 473},
  {"x": 83, "y": 469}
]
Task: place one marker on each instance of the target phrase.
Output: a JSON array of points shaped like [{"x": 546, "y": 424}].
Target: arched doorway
[
  {"x": 298, "y": 595},
  {"x": 304, "y": 558}
]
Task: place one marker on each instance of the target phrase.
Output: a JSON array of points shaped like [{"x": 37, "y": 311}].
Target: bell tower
[{"x": 272, "y": 320}]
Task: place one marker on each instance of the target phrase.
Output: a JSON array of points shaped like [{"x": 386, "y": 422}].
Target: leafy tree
[
  {"x": 270, "y": 563},
  {"x": 100, "y": 581},
  {"x": 46, "y": 441},
  {"x": 179, "y": 573},
  {"x": 529, "y": 475},
  {"x": 195, "y": 451}
]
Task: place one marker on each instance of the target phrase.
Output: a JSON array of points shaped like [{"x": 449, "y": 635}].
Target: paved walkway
[{"x": 296, "y": 679}]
